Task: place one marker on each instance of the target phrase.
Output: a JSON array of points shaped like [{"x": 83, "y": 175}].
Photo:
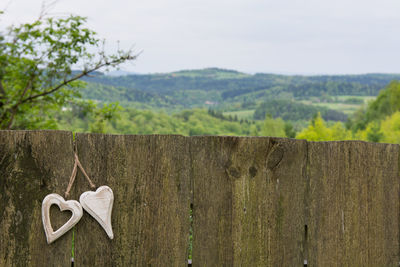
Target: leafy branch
[{"x": 36, "y": 61}]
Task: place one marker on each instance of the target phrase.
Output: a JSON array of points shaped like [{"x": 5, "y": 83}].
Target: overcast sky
[{"x": 280, "y": 36}]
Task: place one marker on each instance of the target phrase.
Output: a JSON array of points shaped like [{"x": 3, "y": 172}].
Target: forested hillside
[
  {"x": 379, "y": 121},
  {"x": 195, "y": 87},
  {"x": 295, "y": 111},
  {"x": 148, "y": 108},
  {"x": 187, "y": 122},
  {"x": 223, "y": 102},
  {"x": 293, "y": 98}
]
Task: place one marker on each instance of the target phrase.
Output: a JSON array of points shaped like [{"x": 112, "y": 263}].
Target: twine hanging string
[{"x": 77, "y": 164}]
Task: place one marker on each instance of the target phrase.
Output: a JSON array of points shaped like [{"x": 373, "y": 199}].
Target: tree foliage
[
  {"x": 387, "y": 103},
  {"x": 293, "y": 111},
  {"x": 186, "y": 122},
  {"x": 273, "y": 127},
  {"x": 191, "y": 89},
  {"x": 36, "y": 61},
  {"x": 319, "y": 131},
  {"x": 390, "y": 129}
]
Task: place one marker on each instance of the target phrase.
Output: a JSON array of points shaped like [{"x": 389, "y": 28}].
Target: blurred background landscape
[
  {"x": 297, "y": 69},
  {"x": 226, "y": 102}
]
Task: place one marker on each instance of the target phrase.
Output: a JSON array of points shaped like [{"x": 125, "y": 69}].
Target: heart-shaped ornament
[
  {"x": 99, "y": 204},
  {"x": 71, "y": 205}
]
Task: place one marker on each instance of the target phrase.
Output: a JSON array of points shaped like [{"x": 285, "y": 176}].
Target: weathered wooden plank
[
  {"x": 150, "y": 178},
  {"x": 248, "y": 201},
  {"x": 32, "y": 165},
  {"x": 354, "y": 204},
  {"x": 257, "y": 201}
]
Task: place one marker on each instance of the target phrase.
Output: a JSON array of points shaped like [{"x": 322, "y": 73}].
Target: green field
[
  {"x": 241, "y": 114},
  {"x": 366, "y": 99},
  {"x": 339, "y": 104},
  {"x": 345, "y": 108}
]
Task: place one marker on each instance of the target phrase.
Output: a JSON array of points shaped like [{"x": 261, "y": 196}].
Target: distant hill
[
  {"x": 211, "y": 73},
  {"x": 227, "y": 89},
  {"x": 117, "y": 73},
  {"x": 233, "y": 83}
]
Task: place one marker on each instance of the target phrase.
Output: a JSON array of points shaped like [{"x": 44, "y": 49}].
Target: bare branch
[
  {"x": 13, "y": 110},
  {"x": 28, "y": 85},
  {"x": 7, "y": 6},
  {"x": 76, "y": 77},
  {"x": 46, "y": 7},
  {"x": 2, "y": 91},
  {"x": 11, "y": 119}
]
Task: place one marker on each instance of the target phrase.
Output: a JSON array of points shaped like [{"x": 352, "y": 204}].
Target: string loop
[{"x": 77, "y": 164}]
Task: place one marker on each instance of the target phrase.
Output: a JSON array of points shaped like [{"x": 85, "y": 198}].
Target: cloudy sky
[{"x": 279, "y": 36}]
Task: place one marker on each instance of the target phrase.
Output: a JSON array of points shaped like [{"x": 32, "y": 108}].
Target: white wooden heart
[
  {"x": 58, "y": 200},
  {"x": 99, "y": 204}
]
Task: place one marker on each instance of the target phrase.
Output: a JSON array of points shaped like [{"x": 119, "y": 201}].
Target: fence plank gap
[{"x": 151, "y": 183}]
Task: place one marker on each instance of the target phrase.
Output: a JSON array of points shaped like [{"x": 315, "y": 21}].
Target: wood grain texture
[
  {"x": 32, "y": 165},
  {"x": 248, "y": 201},
  {"x": 256, "y": 201},
  {"x": 150, "y": 178},
  {"x": 354, "y": 204}
]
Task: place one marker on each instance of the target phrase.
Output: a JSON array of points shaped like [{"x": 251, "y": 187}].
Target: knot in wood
[
  {"x": 233, "y": 172},
  {"x": 252, "y": 171},
  {"x": 275, "y": 157}
]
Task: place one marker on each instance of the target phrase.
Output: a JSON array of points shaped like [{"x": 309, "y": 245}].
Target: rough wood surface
[
  {"x": 354, "y": 204},
  {"x": 149, "y": 176},
  {"x": 248, "y": 201},
  {"x": 33, "y": 165},
  {"x": 256, "y": 201}
]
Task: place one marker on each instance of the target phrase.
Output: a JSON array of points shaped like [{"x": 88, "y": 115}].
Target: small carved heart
[
  {"x": 99, "y": 204},
  {"x": 58, "y": 200}
]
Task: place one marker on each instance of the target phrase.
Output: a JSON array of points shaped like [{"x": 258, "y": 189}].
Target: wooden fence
[{"x": 257, "y": 201}]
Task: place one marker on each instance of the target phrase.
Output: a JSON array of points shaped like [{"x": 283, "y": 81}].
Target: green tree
[
  {"x": 290, "y": 132},
  {"x": 387, "y": 102},
  {"x": 318, "y": 131},
  {"x": 36, "y": 75},
  {"x": 107, "y": 113},
  {"x": 273, "y": 127},
  {"x": 390, "y": 129},
  {"x": 373, "y": 133}
]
